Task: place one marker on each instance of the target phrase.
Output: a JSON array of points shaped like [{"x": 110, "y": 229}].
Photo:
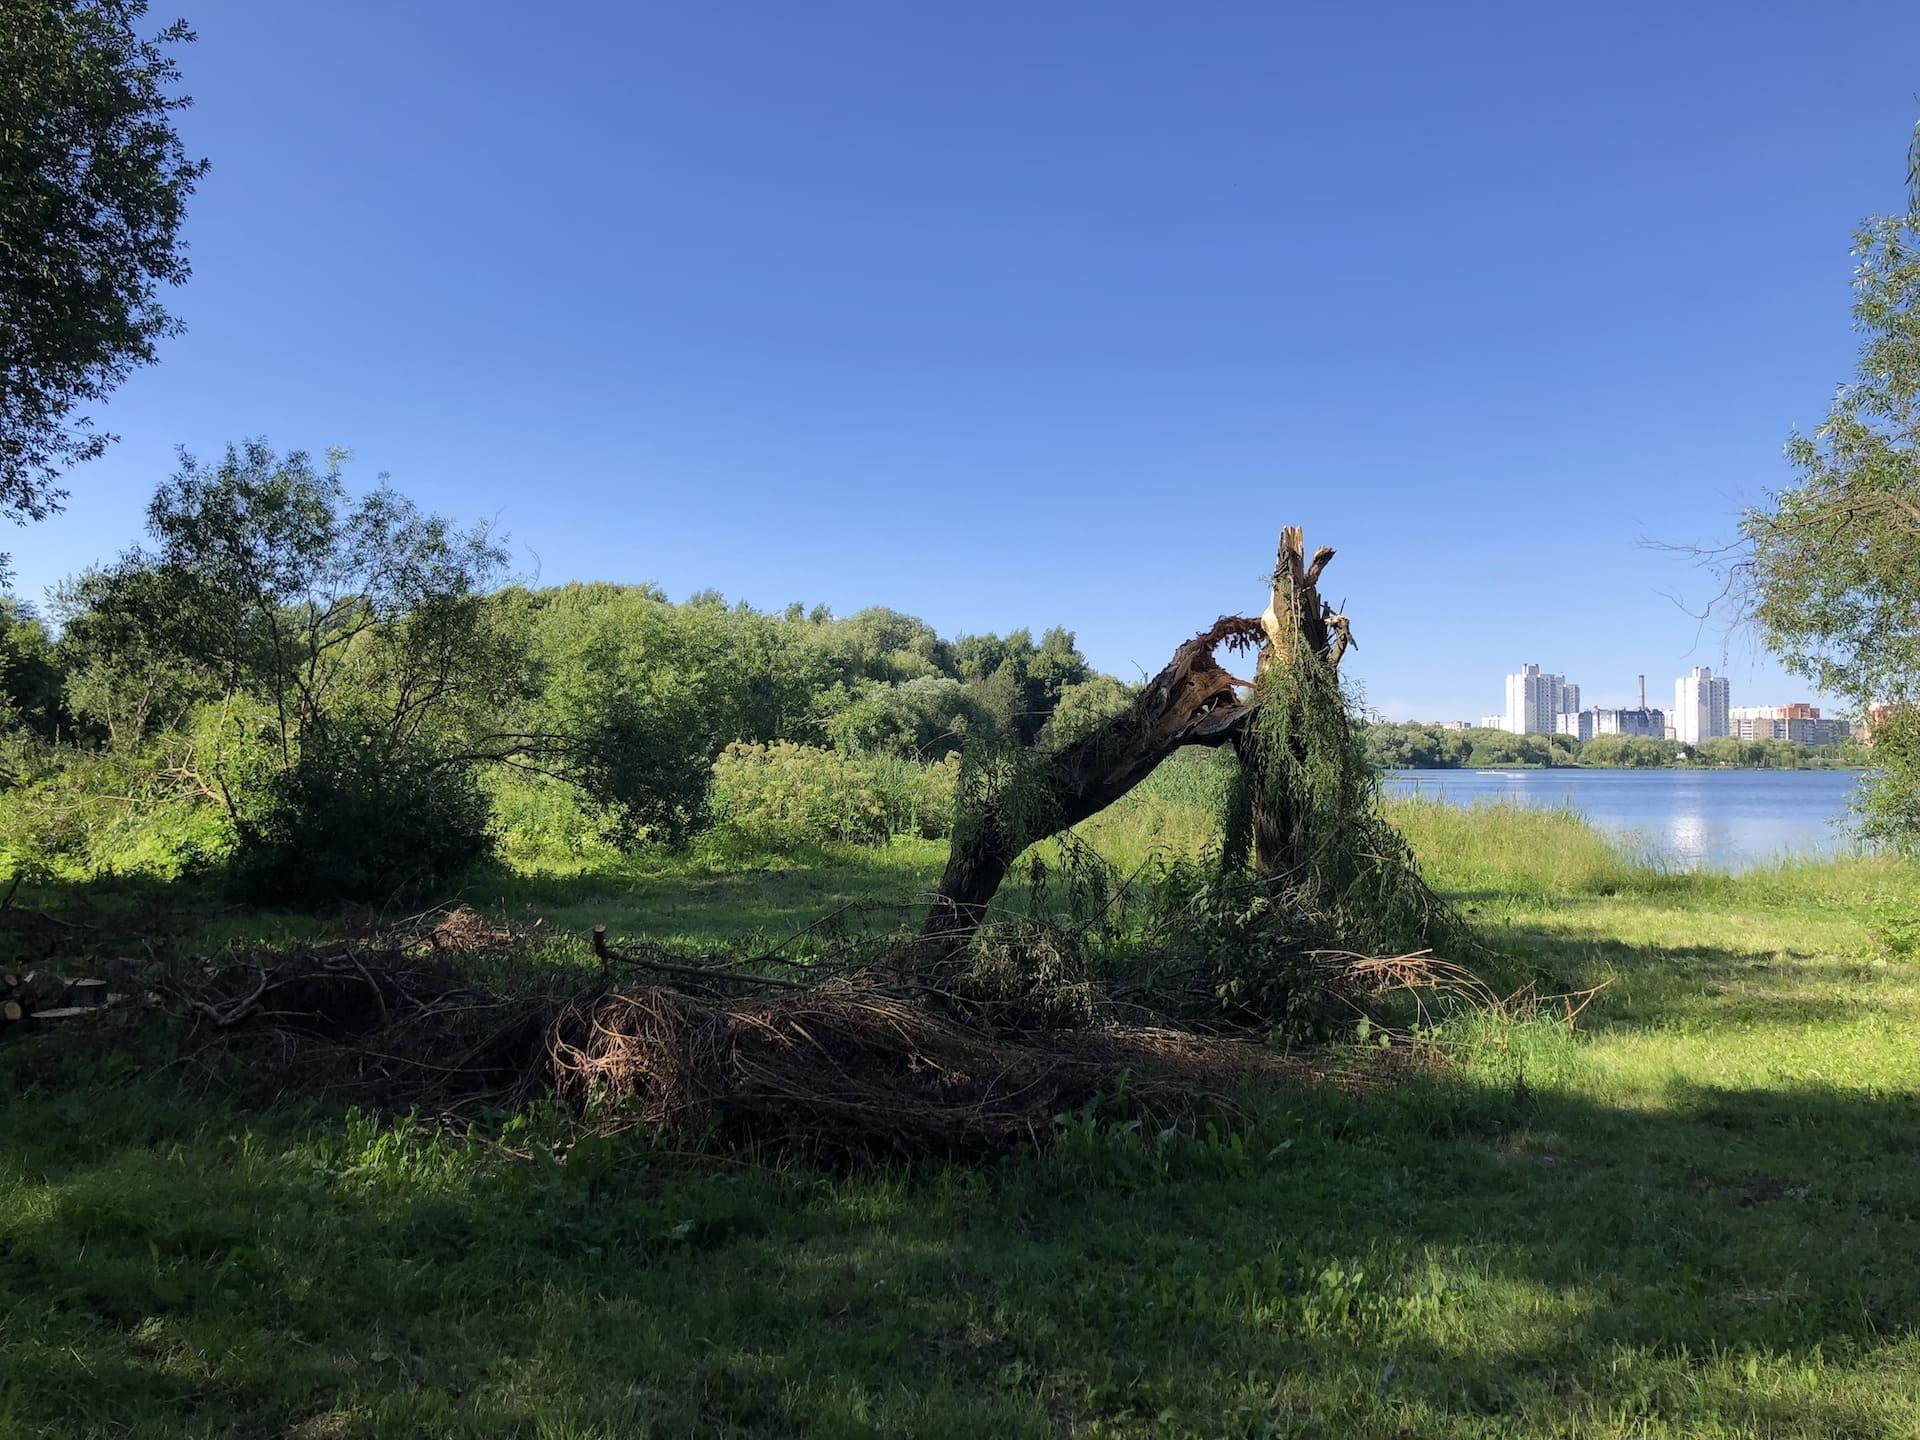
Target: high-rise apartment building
[
  {"x": 1535, "y": 702},
  {"x": 1577, "y": 723},
  {"x": 1800, "y": 723},
  {"x": 1642, "y": 721},
  {"x": 1700, "y": 706}
]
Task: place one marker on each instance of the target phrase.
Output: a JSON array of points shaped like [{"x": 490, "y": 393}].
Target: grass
[{"x": 1700, "y": 1216}]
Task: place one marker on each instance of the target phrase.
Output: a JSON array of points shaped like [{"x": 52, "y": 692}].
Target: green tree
[
  {"x": 1393, "y": 746},
  {"x": 358, "y": 668},
  {"x": 93, "y": 187},
  {"x": 1830, "y": 567},
  {"x": 924, "y": 719},
  {"x": 1082, "y": 706},
  {"x": 32, "y": 678}
]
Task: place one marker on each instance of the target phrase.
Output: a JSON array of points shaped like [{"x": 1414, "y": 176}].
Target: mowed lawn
[{"x": 1700, "y": 1215}]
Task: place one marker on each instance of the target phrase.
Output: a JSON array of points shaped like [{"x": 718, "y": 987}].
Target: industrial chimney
[{"x": 1643, "y": 692}]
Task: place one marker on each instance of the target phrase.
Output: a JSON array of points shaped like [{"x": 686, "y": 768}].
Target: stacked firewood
[{"x": 43, "y": 995}]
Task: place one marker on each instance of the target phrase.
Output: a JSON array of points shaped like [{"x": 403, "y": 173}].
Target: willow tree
[{"x": 1304, "y": 816}]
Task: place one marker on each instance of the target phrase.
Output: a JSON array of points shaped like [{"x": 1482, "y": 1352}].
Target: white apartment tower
[
  {"x": 1535, "y": 702},
  {"x": 1700, "y": 706}
]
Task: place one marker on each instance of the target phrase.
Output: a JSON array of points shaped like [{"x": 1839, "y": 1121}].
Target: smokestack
[{"x": 1643, "y": 692}]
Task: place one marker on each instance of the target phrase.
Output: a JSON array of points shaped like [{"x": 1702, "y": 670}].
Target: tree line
[
  {"x": 332, "y": 695},
  {"x": 1412, "y": 746}
]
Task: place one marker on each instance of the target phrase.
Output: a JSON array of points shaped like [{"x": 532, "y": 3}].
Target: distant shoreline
[{"x": 1632, "y": 769}]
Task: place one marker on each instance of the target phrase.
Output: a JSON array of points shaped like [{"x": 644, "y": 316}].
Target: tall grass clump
[
  {"x": 1513, "y": 849},
  {"x": 783, "y": 795},
  {"x": 1172, "y": 815}
]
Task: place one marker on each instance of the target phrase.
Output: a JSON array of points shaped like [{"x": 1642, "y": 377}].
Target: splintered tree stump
[{"x": 1192, "y": 701}]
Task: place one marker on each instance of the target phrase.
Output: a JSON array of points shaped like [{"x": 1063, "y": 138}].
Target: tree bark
[
  {"x": 1193, "y": 701},
  {"x": 1295, "y": 618}
]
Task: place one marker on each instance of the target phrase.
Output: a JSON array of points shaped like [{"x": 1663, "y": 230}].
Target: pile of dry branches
[{"x": 851, "y": 1062}]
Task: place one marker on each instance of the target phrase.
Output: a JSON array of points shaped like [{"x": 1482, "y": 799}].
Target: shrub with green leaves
[
  {"x": 361, "y": 817},
  {"x": 782, "y": 794},
  {"x": 77, "y": 814}
]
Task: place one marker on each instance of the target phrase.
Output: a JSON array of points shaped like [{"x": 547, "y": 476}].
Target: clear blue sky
[{"x": 1013, "y": 315}]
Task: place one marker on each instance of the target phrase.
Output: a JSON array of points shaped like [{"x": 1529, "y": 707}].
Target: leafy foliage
[
  {"x": 93, "y": 188},
  {"x": 290, "y": 658},
  {"x": 782, "y": 794},
  {"x": 1831, "y": 566},
  {"x": 1416, "y": 747},
  {"x": 361, "y": 815},
  {"x": 353, "y": 641},
  {"x": 1305, "y": 821},
  {"x": 31, "y": 690}
]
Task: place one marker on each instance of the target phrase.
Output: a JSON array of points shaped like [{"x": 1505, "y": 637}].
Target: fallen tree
[
  {"x": 1194, "y": 700},
  {"x": 1315, "y": 918}
]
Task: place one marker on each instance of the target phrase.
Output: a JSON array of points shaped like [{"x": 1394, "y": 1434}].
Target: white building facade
[
  {"x": 1800, "y": 723},
  {"x": 1639, "y": 721},
  {"x": 1577, "y": 723},
  {"x": 1535, "y": 702},
  {"x": 1701, "y": 706}
]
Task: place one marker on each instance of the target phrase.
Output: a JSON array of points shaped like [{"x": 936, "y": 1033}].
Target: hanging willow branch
[{"x": 1028, "y": 795}]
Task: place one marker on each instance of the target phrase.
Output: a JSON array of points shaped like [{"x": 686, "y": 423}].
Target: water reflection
[
  {"x": 1688, "y": 839},
  {"x": 1692, "y": 819}
]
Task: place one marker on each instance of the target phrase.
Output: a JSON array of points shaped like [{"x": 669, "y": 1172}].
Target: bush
[
  {"x": 547, "y": 825},
  {"x": 782, "y": 794},
  {"x": 82, "y": 814},
  {"x": 358, "y": 818}
]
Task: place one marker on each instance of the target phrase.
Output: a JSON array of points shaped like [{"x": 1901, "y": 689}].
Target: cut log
[{"x": 11, "y": 1011}]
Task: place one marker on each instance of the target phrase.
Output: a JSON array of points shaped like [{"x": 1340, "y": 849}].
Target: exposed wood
[
  {"x": 11, "y": 1011},
  {"x": 1295, "y": 617},
  {"x": 1192, "y": 701}
]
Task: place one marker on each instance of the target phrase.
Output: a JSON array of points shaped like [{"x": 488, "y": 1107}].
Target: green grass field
[{"x": 1698, "y": 1216}]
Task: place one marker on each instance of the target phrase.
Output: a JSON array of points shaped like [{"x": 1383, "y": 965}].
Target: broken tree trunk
[
  {"x": 1193, "y": 701},
  {"x": 1303, "y": 632}
]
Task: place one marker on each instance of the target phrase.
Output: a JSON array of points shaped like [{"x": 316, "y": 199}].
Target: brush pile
[{"x": 853, "y": 1063}]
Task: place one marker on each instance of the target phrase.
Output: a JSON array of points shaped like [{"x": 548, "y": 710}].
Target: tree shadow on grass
[
  {"x": 1441, "y": 1255},
  {"x": 1663, "y": 984},
  {"x": 754, "y": 901}
]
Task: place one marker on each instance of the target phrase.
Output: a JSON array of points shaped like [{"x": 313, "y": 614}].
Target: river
[{"x": 1692, "y": 819}]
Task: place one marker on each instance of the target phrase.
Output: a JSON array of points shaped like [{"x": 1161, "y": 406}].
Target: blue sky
[{"x": 1014, "y": 315}]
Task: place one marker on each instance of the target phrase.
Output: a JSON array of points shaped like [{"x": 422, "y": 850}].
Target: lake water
[{"x": 1695, "y": 819}]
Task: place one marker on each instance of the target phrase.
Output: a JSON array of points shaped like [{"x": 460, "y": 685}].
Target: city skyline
[{"x": 1542, "y": 702}]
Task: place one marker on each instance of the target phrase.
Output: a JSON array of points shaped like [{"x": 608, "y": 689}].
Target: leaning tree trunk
[{"x": 1193, "y": 701}]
